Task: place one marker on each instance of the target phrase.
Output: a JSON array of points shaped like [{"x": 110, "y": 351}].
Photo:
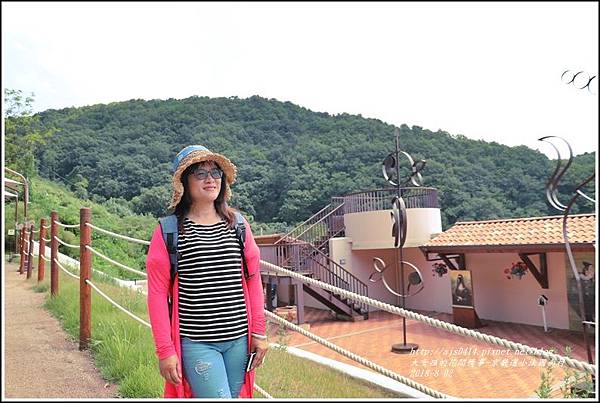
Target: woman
[{"x": 203, "y": 340}]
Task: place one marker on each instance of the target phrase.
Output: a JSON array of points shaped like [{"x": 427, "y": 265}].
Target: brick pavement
[{"x": 456, "y": 365}]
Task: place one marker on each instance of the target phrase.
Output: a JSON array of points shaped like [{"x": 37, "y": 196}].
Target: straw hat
[{"x": 192, "y": 155}]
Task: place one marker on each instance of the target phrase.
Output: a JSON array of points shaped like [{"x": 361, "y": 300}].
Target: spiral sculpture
[
  {"x": 552, "y": 196},
  {"x": 391, "y": 173}
]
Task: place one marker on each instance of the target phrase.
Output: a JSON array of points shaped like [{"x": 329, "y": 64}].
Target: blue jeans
[{"x": 215, "y": 369}]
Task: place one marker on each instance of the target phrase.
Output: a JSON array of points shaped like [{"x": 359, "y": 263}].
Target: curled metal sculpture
[
  {"x": 551, "y": 194},
  {"x": 391, "y": 173},
  {"x": 580, "y": 80},
  {"x": 414, "y": 278}
]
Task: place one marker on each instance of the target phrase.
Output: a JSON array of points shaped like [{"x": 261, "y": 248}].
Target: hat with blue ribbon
[{"x": 191, "y": 155}]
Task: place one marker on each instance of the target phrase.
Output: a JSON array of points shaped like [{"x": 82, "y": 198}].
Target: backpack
[{"x": 170, "y": 234}]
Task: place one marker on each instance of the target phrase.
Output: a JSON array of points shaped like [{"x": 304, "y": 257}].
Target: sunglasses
[{"x": 202, "y": 174}]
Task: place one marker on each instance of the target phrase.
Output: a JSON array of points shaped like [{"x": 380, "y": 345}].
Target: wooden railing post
[
  {"x": 21, "y": 248},
  {"x": 42, "y": 251},
  {"x": 85, "y": 272},
  {"x": 30, "y": 252},
  {"x": 53, "y": 254}
]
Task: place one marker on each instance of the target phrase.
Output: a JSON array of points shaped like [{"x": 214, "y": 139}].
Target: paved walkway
[
  {"x": 456, "y": 365},
  {"x": 41, "y": 361}
]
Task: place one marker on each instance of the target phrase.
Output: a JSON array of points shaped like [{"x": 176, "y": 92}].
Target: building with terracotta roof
[
  {"x": 489, "y": 249},
  {"x": 497, "y": 270}
]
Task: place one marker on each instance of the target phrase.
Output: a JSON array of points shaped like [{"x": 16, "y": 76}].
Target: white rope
[
  {"x": 262, "y": 391},
  {"x": 65, "y": 270},
  {"x": 47, "y": 240},
  {"x": 46, "y": 226},
  {"x": 143, "y": 322},
  {"x": 359, "y": 359},
  {"x": 580, "y": 365},
  {"x": 66, "y": 244},
  {"x": 118, "y": 235},
  {"x": 45, "y": 258},
  {"x": 141, "y": 273},
  {"x": 66, "y": 225},
  {"x": 35, "y": 231}
]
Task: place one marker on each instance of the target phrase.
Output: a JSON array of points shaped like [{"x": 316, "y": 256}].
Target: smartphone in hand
[{"x": 250, "y": 360}]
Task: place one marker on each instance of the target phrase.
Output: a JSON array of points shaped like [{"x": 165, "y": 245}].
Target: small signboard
[{"x": 11, "y": 232}]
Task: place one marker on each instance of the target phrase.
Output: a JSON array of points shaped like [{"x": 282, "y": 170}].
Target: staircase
[{"x": 305, "y": 249}]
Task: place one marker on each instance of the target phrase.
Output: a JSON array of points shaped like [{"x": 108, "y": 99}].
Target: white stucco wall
[
  {"x": 373, "y": 229},
  {"x": 495, "y": 297}
]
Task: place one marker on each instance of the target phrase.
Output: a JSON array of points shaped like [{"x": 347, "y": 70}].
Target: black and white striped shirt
[{"x": 211, "y": 297}]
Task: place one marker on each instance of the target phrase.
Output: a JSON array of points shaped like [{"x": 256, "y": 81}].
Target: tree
[
  {"x": 23, "y": 131},
  {"x": 154, "y": 201}
]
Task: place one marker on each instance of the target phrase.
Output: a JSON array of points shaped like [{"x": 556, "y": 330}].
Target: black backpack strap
[
  {"x": 240, "y": 232},
  {"x": 170, "y": 233}
]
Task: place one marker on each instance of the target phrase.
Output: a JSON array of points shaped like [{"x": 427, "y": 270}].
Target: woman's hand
[
  {"x": 261, "y": 347},
  {"x": 170, "y": 369}
]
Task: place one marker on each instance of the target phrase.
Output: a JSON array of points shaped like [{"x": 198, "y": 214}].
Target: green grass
[
  {"x": 284, "y": 375},
  {"x": 47, "y": 196},
  {"x": 124, "y": 350}
]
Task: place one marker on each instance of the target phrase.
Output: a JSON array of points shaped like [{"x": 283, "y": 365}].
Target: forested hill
[{"x": 290, "y": 160}]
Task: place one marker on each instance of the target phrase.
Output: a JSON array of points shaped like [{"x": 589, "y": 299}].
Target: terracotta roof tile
[{"x": 519, "y": 231}]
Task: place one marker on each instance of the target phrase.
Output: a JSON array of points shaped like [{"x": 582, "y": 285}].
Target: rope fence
[
  {"x": 573, "y": 363},
  {"x": 118, "y": 235},
  {"x": 47, "y": 240},
  {"x": 141, "y": 273},
  {"x": 60, "y": 266},
  {"x": 143, "y": 322},
  {"x": 359, "y": 359},
  {"x": 66, "y": 225},
  {"x": 66, "y": 244},
  {"x": 262, "y": 391}
]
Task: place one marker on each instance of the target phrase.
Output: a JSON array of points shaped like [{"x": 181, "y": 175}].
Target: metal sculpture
[
  {"x": 391, "y": 173},
  {"x": 580, "y": 80},
  {"x": 551, "y": 194}
]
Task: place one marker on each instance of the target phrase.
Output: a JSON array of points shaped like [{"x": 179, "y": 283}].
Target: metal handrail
[
  {"x": 301, "y": 224},
  {"x": 338, "y": 275},
  {"x": 380, "y": 199},
  {"x": 320, "y": 220},
  {"x": 386, "y": 189},
  {"x": 341, "y": 272}
]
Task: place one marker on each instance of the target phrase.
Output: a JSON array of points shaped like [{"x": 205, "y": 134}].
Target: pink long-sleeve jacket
[{"x": 166, "y": 334}]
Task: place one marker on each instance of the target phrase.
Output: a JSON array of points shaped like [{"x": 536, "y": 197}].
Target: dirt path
[{"x": 40, "y": 359}]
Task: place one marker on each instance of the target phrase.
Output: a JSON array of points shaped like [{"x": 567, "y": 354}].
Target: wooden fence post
[
  {"x": 53, "y": 254},
  {"x": 21, "y": 249},
  {"x": 85, "y": 272},
  {"x": 30, "y": 252},
  {"x": 42, "y": 251}
]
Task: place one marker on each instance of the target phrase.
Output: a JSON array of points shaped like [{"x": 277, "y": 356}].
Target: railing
[
  {"x": 85, "y": 274},
  {"x": 381, "y": 199},
  {"x": 85, "y": 266},
  {"x": 318, "y": 225},
  {"x": 305, "y": 258}
]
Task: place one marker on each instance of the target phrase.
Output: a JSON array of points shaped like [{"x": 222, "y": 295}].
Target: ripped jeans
[{"x": 215, "y": 369}]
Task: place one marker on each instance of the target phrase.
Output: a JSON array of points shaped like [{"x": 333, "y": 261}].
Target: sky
[{"x": 489, "y": 71}]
